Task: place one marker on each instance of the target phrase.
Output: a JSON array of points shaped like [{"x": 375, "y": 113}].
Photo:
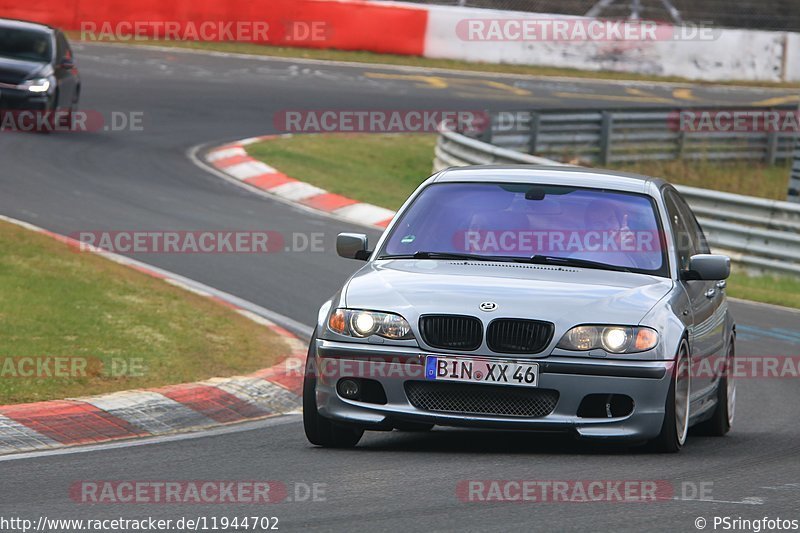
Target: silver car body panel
[{"x": 565, "y": 296}]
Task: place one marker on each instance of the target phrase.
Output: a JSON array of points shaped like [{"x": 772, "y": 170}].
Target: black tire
[
  {"x": 668, "y": 440},
  {"x": 720, "y": 422},
  {"x": 49, "y": 111},
  {"x": 319, "y": 430}
]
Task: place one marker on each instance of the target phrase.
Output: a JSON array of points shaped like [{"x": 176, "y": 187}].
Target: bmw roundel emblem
[{"x": 488, "y": 306}]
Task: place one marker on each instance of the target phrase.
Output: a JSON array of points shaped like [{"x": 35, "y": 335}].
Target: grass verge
[
  {"x": 423, "y": 62},
  {"x": 749, "y": 178},
  {"x": 385, "y": 169},
  {"x": 776, "y": 290},
  {"x": 58, "y": 303},
  {"x": 381, "y": 169}
]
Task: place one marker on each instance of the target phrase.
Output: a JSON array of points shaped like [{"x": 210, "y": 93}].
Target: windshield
[
  {"x": 25, "y": 45},
  {"x": 520, "y": 221}
]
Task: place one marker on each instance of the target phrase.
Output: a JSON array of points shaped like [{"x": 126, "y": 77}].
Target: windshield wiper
[
  {"x": 571, "y": 261},
  {"x": 445, "y": 255}
]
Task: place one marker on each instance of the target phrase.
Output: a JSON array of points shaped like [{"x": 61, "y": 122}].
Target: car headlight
[
  {"x": 614, "y": 339},
  {"x": 40, "y": 85},
  {"x": 361, "y": 324}
]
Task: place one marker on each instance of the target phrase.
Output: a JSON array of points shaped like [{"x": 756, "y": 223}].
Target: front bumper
[
  {"x": 646, "y": 382},
  {"x": 20, "y": 100}
]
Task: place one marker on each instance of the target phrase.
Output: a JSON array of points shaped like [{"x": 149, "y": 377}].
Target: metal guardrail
[
  {"x": 627, "y": 135},
  {"x": 794, "y": 179},
  {"x": 759, "y": 234}
]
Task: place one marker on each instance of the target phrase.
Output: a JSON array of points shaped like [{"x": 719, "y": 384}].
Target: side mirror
[
  {"x": 709, "y": 267},
  {"x": 352, "y": 246},
  {"x": 67, "y": 63}
]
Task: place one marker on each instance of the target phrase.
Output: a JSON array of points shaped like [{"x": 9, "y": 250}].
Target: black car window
[
  {"x": 61, "y": 47},
  {"x": 26, "y": 45},
  {"x": 684, "y": 244},
  {"x": 67, "y": 47},
  {"x": 696, "y": 232}
]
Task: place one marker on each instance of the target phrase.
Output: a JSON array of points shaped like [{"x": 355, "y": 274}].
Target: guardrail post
[
  {"x": 794, "y": 176},
  {"x": 681, "y": 142},
  {"x": 772, "y": 147},
  {"x": 606, "y": 126},
  {"x": 534, "y": 128},
  {"x": 488, "y": 132}
]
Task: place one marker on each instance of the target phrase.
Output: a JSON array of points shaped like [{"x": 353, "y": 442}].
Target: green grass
[
  {"x": 783, "y": 291},
  {"x": 58, "y": 302},
  {"x": 415, "y": 61},
  {"x": 749, "y": 178},
  {"x": 382, "y": 169}
]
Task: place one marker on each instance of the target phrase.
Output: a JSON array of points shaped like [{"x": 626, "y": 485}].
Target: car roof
[
  {"x": 25, "y": 25},
  {"x": 550, "y": 175}
]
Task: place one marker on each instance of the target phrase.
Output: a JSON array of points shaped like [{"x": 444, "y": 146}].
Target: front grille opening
[
  {"x": 481, "y": 399},
  {"x": 605, "y": 406},
  {"x": 451, "y": 332},
  {"x": 514, "y": 335}
]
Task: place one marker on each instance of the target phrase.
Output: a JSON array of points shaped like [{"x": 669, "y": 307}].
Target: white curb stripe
[
  {"x": 253, "y": 140},
  {"x": 249, "y": 169},
  {"x": 365, "y": 213},
  {"x": 16, "y": 437},
  {"x": 186, "y": 287},
  {"x": 259, "y": 392},
  {"x": 224, "y": 153},
  {"x": 151, "y": 411},
  {"x": 297, "y": 190}
]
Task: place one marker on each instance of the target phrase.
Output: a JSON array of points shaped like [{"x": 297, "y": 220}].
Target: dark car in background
[{"x": 37, "y": 68}]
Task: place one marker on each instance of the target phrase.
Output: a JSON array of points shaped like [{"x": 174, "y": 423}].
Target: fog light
[{"x": 348, "y": 388}]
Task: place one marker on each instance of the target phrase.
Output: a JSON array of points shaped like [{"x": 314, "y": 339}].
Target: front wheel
[
  {"x": 319, "y": 430},
  {"x": 676, "y": 409}
]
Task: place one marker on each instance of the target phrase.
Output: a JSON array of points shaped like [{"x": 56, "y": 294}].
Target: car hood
[
  {"x": 565, "y": 296},
  {"x": 15, "y": 71}
]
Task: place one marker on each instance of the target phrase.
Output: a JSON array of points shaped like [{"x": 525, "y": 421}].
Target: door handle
[
  {"x": 721, "y": 284},
  {"x": 710, "y": 293}
]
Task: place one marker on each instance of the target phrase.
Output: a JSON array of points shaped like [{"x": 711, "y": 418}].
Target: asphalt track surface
[{"x": 143, "y": 180}]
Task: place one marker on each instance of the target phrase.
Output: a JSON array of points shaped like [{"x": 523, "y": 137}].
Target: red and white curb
[
  {"x": 163, "y": 410},
  {"x": 232, "y": 160}
]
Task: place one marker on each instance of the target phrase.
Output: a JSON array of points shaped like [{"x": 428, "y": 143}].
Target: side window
[
  {"x": 684, "y": 245},
  {"x": 62, "y": 48},
  {"x": 699, "y": 238}
]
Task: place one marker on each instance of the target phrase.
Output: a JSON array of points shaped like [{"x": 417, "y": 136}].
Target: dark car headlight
[
  {"x": 360, "y": 323},
  {"x": 614, "y": 339}
]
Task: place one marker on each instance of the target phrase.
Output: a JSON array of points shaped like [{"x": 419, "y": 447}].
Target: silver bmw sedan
[{"x": 532, "y": 298}]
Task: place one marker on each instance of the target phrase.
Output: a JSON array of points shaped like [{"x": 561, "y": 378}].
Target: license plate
[{"x": 489, "y": 371}]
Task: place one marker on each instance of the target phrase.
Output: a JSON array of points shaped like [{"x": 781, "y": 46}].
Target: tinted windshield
[
  {"x": 26, "y": 45},
  {"x": 521, "y": 220}
]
